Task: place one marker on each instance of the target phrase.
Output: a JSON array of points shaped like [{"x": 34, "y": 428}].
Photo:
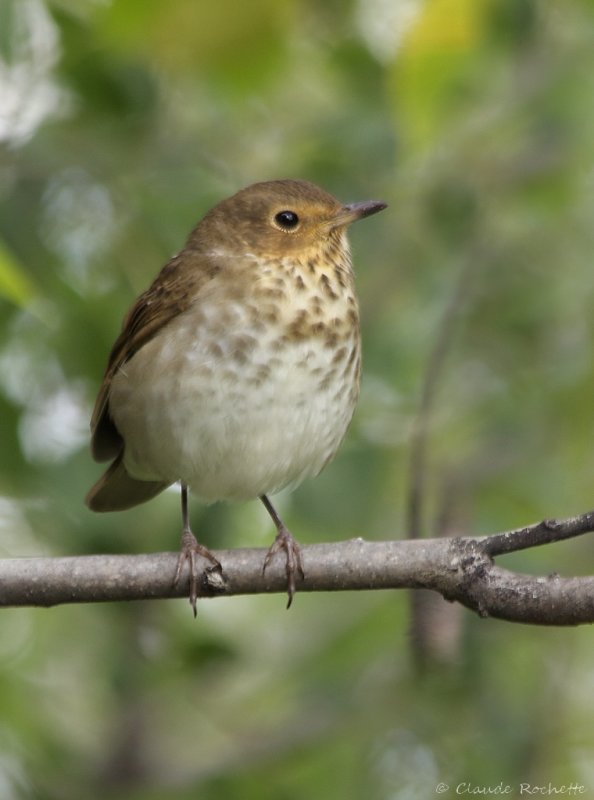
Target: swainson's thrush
[{"x": 237, "y": 371}]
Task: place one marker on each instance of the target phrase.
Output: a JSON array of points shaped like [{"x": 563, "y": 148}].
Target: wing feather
[{"x": 171, "y": 293}]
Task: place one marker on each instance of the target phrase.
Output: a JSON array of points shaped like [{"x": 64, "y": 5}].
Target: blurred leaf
[
  {"x": 15, "y": 284},
  {"x": 223, "y": 36},
  {"x": 431, "y": 73}
]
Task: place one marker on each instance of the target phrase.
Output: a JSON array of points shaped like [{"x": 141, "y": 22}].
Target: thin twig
[
  {"x": 418, "y": 464},
  {"x": 549, "y": 530},
  {"x": 429, "y": 388}
]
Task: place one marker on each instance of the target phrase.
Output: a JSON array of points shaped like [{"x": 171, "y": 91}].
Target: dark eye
[{"x": 287, "y": 220}]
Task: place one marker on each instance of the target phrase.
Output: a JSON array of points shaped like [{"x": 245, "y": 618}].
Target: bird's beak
[{"x": 354, "y": 211}]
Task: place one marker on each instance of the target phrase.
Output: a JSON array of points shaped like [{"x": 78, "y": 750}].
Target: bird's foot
[
  {"x": 293, "y": 564},
  {"x": 190, "y": 548}
]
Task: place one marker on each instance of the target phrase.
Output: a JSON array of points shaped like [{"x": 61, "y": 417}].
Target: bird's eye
[{"x": 287, "y": 220}]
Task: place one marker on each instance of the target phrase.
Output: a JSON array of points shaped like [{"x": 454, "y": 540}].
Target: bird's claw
[
  {"x": 190, "y": 548},
  {"x": 293, "y": 564}
]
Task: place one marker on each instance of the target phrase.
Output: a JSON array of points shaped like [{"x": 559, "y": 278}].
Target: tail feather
[{"x": 117, "y": 490}]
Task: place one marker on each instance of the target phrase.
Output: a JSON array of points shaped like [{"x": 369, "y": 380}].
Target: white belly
[{"x": 233, "y": 424}]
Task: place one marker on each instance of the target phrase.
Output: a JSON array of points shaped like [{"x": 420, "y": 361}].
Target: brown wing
[{"x": 169, "y": 295}]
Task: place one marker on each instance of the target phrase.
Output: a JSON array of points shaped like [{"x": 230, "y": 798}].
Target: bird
[{"x": 237, "y": 372}]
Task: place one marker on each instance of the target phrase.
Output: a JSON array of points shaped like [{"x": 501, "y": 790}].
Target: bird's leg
[
  {"x": 284, "y": 541},
  {"x": 190, "y": 548}
]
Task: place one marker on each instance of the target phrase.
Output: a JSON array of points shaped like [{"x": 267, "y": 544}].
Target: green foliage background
[{"x": 121, "y": 123}]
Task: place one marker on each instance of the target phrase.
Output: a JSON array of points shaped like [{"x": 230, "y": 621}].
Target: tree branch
[{"x": 460, "y": 569}]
